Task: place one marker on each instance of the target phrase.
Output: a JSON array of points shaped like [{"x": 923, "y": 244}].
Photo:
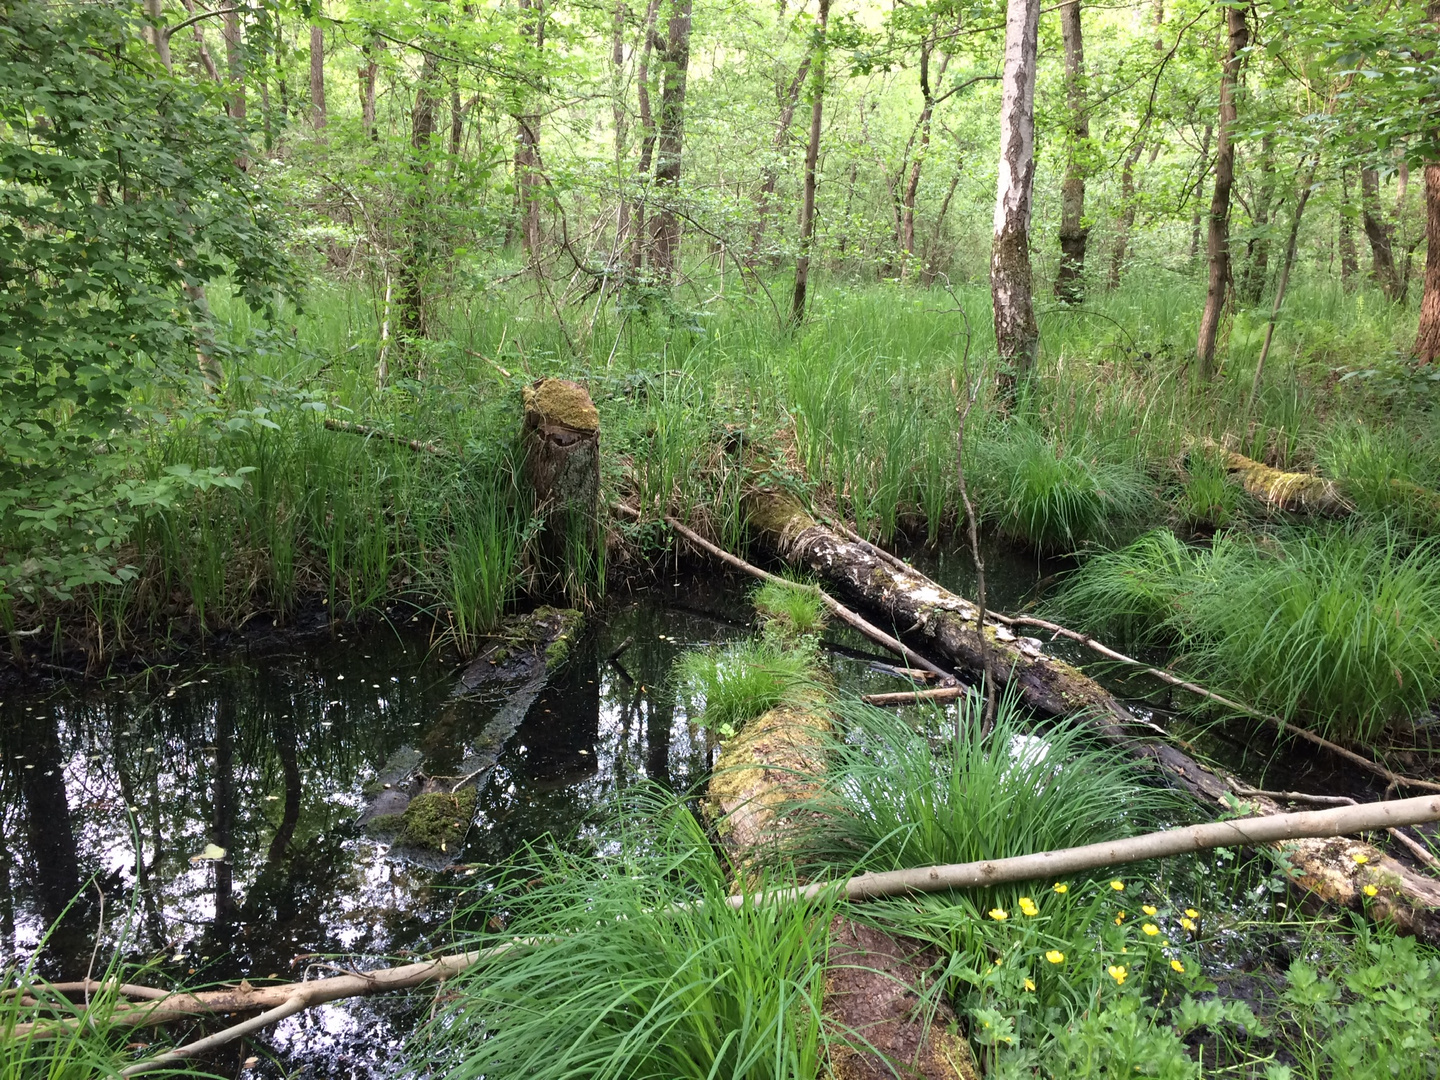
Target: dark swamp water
[{"x": 274, "y": 751}]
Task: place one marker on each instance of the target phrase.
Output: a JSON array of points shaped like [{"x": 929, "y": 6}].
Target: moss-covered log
[
  {"x": 1301, "y": 492},
  {"x": 561, "y": 436},
  {"x": 915, "y": 604},
  {"x": 869, "y": 1004}
]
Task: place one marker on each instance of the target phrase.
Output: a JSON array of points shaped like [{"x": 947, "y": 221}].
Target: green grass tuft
[
  {"x": 793, "y": 608},
  {"x": 731, "y": 684}
]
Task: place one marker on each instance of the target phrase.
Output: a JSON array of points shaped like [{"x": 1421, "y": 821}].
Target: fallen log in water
[{"x": 1050, "y": 686}]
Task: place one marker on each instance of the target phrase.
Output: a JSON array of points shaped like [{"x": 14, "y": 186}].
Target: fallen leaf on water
[{"x": 212, "y": 853}]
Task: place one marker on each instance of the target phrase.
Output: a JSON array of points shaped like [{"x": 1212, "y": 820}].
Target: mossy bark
[
  {"x": 870, "y": 973},
  {"x": 1284, "y": 490},
  {"x": 910, "y": 600},
  {"x": 561, "y": 436}
]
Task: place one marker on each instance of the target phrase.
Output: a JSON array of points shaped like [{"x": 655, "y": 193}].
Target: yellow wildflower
[
  {"x": 1177, "y": 966},
  {"x": 1028, "y": 906},
  {"x": 1191, "y": 913},
  {"x": 1030, "y": 985},
  {"x": 1150, "y": 909},
  {"x": 1061, "y": 888},
  {"x": 1150, "y": 929},
  {"x": 999, "y": 914},
  {"x": 1120, "y": 918},
  {"x": 1370, "y": 890},
  {"x": 1118, "y": 973},
  {"x": 1055, "y": 956},
  {"x": 997, "y": 961},
  {"x": 1188, "y": 925},
  {"x": 1118, "y": 886},
  {"x": 1361, "y": 860}
]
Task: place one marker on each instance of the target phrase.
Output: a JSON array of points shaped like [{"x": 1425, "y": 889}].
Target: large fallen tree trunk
[{"x": 913, "y": 603}]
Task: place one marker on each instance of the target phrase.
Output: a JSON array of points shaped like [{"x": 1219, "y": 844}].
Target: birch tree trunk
[
  {"x": 1070, "y": 279},
  {"x": 318, "y": 117},
  {"x": 1218, "y": 245},
  {"x": 1016, "y": 335},
  {"x": 1381, "y": 233},
  {"x": 665, "y": 237},
  {"x": 1427, "y": 338},
  {"x": 812, "y": 159}
]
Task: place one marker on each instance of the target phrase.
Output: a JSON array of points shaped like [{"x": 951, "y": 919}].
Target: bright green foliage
[
  {"x": 118, "y": 190},
  {"x": 1338, "y": 627},
  {"x": 793, "y": 610},
  {"x": 730, "y": 684},
  {"x": 1386, "y": 471},
  {"x": 1053, "y": 497},
  {"x": 634, "y": 967},
  {"x": 1208, "y": 497}
]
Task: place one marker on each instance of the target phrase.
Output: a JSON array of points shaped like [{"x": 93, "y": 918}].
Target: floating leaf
[{"x": 212, "y": 853}]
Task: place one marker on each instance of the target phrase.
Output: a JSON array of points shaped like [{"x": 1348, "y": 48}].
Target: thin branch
[{"x": 170, "y": 31}]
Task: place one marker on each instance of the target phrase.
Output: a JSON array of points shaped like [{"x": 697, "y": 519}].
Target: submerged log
[
  {"x": 869, "y": 1006},
  {"x": 561, "y": 436},
  {"x": 1052, "y": 687}
]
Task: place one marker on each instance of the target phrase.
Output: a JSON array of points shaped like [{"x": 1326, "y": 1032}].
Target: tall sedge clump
[{"x": 631, "y": 963}]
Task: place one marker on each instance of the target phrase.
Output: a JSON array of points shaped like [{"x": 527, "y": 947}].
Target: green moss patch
[{"x": 437, "y": 821}]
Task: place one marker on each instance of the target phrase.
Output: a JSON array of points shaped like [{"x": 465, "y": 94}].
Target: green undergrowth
[
  {"x": 1338, "y": 628},
  {"x": 632, "y": 965}
]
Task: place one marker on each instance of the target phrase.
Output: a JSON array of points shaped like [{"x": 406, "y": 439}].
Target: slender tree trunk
[
  {"x": 917, "y": 163},
  {"x": 317, "y": 76},
  {"x": 1257, "y": 269},
  {"x": 1291, "y": 243},
  {"x": 281, "y": 83},
  {"x": 1205, "y": 137},
  {"x": 1381, "y": 233},
  {"x": 619, "y": 118},
  {"x": 1349, "y": 256},
  {"x": 1126, "y": 220},
  {"x": 812, "y": 161},
  {"x": 155, "y": 32},
  {"x": 1427, "y": 338},
  {"x": 1070, "y": 279},
  {"x": 1218, "y": 245},
  {"x": 198, "y": 32},
  {"x": 527, "y": 141},
  {"x": 665, "y": 233},
  {"x": 457, "y": 118},
  {"x": 234, "y": 64},
  {"x": 770, "y": 171},
  {"x": 647, "y": 134},
  {"x": 930, "y": 264},
  {"x": 412, "y": 308},
  {"x": 1016, "y": 336},
  {"x": 369, "y": 53}
]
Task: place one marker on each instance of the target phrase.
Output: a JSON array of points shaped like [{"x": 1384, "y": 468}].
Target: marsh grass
[
  {"x": 1336, "y": 628},
  {"x": 727, "y": 685},
  {"x": 639, "y": 969},
  {"x": 793, "y": 609}
]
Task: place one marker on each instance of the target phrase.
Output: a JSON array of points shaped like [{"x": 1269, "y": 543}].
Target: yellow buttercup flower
[
  {"x": 1177, "y": 966},
  {"x": 1191, "y": 913},
  {"x": 1118, "y": 886},
  {"x": 1150, "y": 909},
  {"x": 1030, "y": 985},
  {"x": 997, "y": 961},
  {"x": 1055, "y": 956},
  {"x": 1118, "y": 973},
  {"x": 1028, "y": 906},
  {"x": 1061, "y": 888},
  {"x": 1370, "y": 890},
  {"x": 998, "y": 914},
  {"x": 1361, "y": 859},
  {"x": 1150, "y": 929},
  {"x": 1119, "y": 918},
  {"x": 1188, "y": 925}
]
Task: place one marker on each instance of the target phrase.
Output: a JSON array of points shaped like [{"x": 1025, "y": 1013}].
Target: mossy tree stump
[{"x": 561, "y": 436}]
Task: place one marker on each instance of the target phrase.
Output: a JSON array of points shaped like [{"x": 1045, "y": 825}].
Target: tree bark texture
[
  {"x": 369, "y": 52},
  {"x": 1257, "y": 269},
  {"x": 527, "y": 140},
  {"x": 1016, "y": 336},
  {"x": 1126, "y": 220},
  {"x": 1218, "y": 234},
  {"x": 1380, "y": 231},
  {"x": 812, "y": 161},
  {"x": 318, "y": 117},
  {"x": 234, "y": 64},
  {"x": 1427, "y": 339},
  {"x": 770, "y": 171},
  {"x": 1054, "y": 688},
  {"x": 561, "y": 436},
  {"x": 1070, "y": 277},
  {"x": 665, "y": 235}
]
